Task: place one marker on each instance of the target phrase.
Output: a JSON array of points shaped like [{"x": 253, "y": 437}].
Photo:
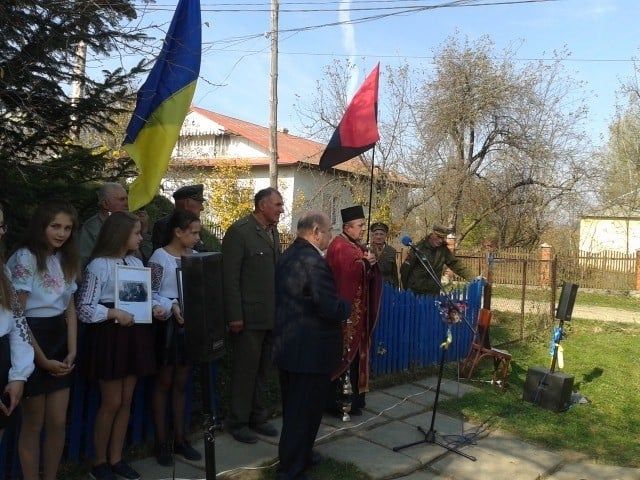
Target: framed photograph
[
  {"x": 180, "y": 290},
  {"x": 133, "y": 292}
]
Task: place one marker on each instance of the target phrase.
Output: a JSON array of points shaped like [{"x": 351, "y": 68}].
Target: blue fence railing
[
  {"x": 410, "y": 329},
  {"x": 408, "y": 334}
]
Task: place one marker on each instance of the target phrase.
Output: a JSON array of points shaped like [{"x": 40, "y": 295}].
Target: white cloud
[{"x": 349, "y": 43}]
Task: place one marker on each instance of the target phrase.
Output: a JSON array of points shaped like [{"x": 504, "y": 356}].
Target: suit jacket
[
  {"x": 308, "y": 333},
  {"x": 249, "y": 258}
]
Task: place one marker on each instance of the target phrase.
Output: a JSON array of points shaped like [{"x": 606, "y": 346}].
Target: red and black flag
[{"x": 357, "y": 132}]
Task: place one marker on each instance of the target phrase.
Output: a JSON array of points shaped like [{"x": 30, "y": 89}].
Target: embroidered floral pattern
[
  {"x": 18, "y": 313},
  {"x": 21, "y": 272},
  {"x": 157, "y": 273}
]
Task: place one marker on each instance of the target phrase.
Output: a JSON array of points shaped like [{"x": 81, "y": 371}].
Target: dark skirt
[
  {"x": 51, "y": 335},
  {"x": 170, "y": 343},
  {"x": 5, "y": 366},
  {"x": 113, "y": 352}
]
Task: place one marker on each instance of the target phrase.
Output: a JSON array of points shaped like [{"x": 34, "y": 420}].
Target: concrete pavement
[{"x": 391, "y": 419}]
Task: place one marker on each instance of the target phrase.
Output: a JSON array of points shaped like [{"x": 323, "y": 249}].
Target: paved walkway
[
  {"x": 391, "y": 420},
  {"x": 588, "y": 312}
]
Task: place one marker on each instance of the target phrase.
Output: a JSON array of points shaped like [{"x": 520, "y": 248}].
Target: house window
[{"x": 221, "y": 145}]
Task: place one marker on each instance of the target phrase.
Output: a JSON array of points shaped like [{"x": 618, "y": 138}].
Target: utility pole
[
  {"x": 77, "y": 86},
  {"x": 273, "y": 98}
]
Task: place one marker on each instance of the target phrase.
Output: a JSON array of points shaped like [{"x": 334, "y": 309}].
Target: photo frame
[
  {"x": 133, "y": 292},
  {"x": 180, "y": 288}
]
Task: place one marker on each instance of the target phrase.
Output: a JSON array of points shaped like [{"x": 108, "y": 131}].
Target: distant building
[
  {"x": 208, "y": 139},
  {"x": 612, "y": 230}
]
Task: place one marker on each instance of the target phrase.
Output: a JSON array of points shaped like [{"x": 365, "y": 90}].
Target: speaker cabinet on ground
[
  {"x": 567, "y": 300},
  {"x": 203, "y": 305},
  {"x": 551, "y": 391}
]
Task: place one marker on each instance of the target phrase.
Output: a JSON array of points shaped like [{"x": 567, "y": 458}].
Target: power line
[{"x": 261, "y": 8}]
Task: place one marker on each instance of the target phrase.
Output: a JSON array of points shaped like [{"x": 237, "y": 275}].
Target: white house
[
  {"x": 208, "y": 138},
  {"x": 610, "y": 232}
]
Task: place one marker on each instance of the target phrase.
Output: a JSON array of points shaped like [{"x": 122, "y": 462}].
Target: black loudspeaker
[
  {"x": 203, "y": 307},
  {"x": 567, "y": 299},
  {"x": 551, "y": 391}
]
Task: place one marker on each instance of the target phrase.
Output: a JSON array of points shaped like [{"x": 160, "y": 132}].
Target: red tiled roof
[{"x": 291, "y": 148}]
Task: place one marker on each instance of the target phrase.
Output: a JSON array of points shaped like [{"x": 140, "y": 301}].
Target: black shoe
[
  {"x": 244, "y": 435},
  {"x": 315, "y": 459},
  {"x": 102, "y": 472},
  {"x": 164, "y": 455},
  {"x": 124, "y": 470},
  {"x": 266, "y": 429},
  {"x": 185, "y": 449}
]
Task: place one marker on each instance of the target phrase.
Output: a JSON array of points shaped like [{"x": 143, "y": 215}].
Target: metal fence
[{"x": 408, "y": 334}]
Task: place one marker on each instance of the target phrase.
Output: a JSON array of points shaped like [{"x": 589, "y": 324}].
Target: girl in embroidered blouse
[
  {"x": 16, "y": 352},
  {"x": 117, "y": 348},
  {"x": 183, "y": 232},
  {"x": 44, "y": 272}
]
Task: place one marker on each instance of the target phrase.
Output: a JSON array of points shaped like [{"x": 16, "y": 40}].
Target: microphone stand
[{"x": 430, "y": 436}]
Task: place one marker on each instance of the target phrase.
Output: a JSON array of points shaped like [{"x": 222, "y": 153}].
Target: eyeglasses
[{"x": 4, "y": 227}]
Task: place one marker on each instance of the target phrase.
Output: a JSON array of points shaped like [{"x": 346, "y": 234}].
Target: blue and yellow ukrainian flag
[{"x": 163, "y": 102}]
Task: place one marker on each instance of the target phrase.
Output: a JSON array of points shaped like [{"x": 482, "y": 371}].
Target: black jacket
[{"x": 309, "y": 314}]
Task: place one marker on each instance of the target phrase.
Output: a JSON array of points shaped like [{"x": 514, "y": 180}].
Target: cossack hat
[
  {"x": 441, "y": 231},
  {"x": 379, "y": 226},
  {"x": 190, "y": 191},
  {"x": 352, "y": 213}
]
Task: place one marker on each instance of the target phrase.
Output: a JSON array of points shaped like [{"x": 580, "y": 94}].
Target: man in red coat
[{"x": 358, "y": 281}]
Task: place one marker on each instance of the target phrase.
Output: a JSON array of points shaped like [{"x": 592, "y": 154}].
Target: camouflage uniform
[{"x": 415, "y": 278}]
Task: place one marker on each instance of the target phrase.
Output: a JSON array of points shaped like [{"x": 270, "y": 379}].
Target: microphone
[{"x": 406, "y": 241}]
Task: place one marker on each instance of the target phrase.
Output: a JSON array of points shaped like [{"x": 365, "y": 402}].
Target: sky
[{"x": 601, "y": 35}]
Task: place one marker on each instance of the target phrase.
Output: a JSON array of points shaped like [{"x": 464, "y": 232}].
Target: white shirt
[
  {"x": 99, "y": 286},
  {"x": 164, "y": 281},
  {"x": 13, "y": 323},
  {"x": 49, "y": 292}
]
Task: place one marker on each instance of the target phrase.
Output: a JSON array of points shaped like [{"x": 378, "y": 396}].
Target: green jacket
[
  {"x": 387, "y": 264},
  {"x": 415, "y": 278},
  {"x": 248, "y": 267},
  {"x": 88, "y": 236}
]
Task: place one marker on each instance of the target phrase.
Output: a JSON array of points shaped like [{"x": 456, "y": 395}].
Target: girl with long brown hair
[
  {"x": 119, "y": 350},
  {"x": 44, "y": 272},
  {"x": 16, "y": 353}
]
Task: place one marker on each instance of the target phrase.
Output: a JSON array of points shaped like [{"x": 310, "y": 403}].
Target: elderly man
[
  {"x": 436, "y": 254},
  {"x": 112, "y": 197},
  {"x": 250, "y": 250},
  {"x": 190, "y": 198},
  {"x": 358, "y": 281},
  {"x": 307, "y": 340},
  {"x": 385, "y": 253}
]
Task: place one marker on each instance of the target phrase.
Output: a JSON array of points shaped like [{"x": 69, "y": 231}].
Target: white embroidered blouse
[
  {"x": 164, "y": 281},
  {"x": 99, "y": 286},
  {"x": 13, "y": 323},
  {"x": 49, "y": 292}
]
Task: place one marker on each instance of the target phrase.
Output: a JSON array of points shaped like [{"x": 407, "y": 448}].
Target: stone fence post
[
  {"x": 637, "y": 269},
  {"x": 546, "y": 255}
]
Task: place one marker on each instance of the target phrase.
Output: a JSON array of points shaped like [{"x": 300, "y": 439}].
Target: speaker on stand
[
  {"x": 544, "y": 387},
  {"x": 200, "y": 286}
]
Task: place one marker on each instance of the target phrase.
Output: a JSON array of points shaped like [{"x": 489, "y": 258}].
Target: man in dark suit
[
  {"x": 250, "y": 249},
  {"x": 307, "y": 340}
]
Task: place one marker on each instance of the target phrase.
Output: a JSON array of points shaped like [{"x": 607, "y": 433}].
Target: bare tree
[{"x": 497, "y": 138}]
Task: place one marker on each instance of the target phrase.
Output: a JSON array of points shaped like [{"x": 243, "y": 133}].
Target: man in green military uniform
[
  {"x": 385, "y": 253},
  {"x": 250, "y": 249},
  {"x": 434, "y": 252}
]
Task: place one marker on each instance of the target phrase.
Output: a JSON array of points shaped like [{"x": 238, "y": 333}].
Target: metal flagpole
[{"x": 373, "y": 162}]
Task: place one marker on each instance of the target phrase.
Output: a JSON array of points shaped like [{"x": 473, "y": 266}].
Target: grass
[
  {"x": 619, "y": 300},
  {"x": 603, "y": 357}
]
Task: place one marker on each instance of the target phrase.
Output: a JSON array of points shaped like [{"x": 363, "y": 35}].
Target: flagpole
[{"x": 373, "y": 162}]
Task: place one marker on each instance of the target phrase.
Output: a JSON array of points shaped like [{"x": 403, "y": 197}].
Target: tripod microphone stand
[{"x": 430, "y": 436}]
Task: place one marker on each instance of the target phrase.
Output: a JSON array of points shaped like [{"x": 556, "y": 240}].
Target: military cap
[
  {"x": 190, "y": 191},
  {"x": 379, "y": 226},
  {"x": 441, "y": 231},
  {"x": 352, "y": 213}
]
